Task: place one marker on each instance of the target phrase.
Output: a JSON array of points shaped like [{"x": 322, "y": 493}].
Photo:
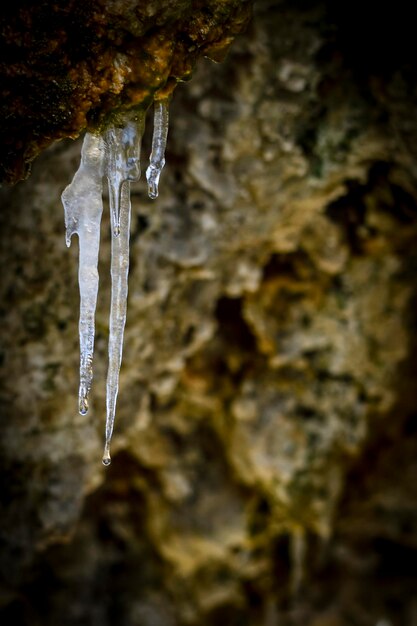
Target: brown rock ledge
[{"x": 68, "y": 65}]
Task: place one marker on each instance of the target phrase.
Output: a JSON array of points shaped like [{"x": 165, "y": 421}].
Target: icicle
[
  {"x": 83, "y": 206},
  {"x": 119, "y": 276},
  {"x": 115, "y": 154},
  {"x": 159, "y": 139},
  {"x": 123, "y": 160}
]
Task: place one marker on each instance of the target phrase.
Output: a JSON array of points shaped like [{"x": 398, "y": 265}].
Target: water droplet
[
  {"x": 106, "y": 456},
  {"x": 83, "y": 405}
]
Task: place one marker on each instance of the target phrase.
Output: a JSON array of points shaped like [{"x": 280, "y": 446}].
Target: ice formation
[
  {"x": 83, "y": 206},
  {"x": 114, "y": 155},
  {"x": 123, "y": 160},
  {"x": 157, "y": 160}
]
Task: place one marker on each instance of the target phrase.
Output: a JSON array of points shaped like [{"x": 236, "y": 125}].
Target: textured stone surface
[
  {"x": 265, "y": 448},
  {"x": 69, "y": 65}
]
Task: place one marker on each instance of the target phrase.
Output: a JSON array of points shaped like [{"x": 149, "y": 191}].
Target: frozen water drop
[
  {"x": 106, "y": 460},
  {"x": 83, "y": 403}
]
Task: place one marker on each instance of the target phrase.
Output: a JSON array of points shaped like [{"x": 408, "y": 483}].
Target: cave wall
[{"x": 265, "y": 444}]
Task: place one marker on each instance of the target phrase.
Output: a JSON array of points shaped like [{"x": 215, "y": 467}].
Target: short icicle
[
  {"x": 123, "y": 160},
  {"x": 83, "y": 206},
  {"x": 120, "y": 221},
  {"x": 159, "y": 139}
]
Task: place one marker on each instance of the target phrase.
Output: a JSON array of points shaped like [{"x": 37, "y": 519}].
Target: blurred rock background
[{"x": 265, "y": 448}]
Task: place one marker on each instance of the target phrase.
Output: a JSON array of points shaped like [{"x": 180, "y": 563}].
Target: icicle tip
[
  {"x": 153, "y": 174},
  {"x": 83, "y": 405},
  {"x": 106, "y": 460}
]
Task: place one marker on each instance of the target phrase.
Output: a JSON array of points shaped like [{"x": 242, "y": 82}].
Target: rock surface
[
  {"x": 71, "y": 64},
  {"x": 265, "y": 448}
]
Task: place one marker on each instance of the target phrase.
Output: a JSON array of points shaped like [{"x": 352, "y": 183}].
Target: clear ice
[
  {"x": 83, "y": 205},
  {"x": 159, "y": 140},
  {"x": 123, "y": 160},
  {"x": 114, "y": 155}
]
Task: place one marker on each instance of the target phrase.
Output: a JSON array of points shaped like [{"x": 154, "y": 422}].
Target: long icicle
[
  {"x": 120, "y": 221},
  {"x": 159, "y": 140},
  {"x": 119, "y": 276},
  {"x": 83, "y": 206}
]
